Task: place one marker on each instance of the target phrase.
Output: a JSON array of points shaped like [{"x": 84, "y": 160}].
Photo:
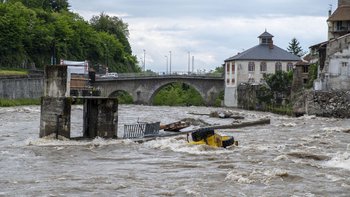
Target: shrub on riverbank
[{"x": 18, "y": 102}]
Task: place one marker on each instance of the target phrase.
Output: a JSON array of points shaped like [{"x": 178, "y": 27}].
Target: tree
[
  {"x": 59, "y": 5},
  {"x": 295, "y": 48},
  {"x": 34, "y": 31},
  {"x": 220, "y": 69},
  {"x": 279, "y": 83},
  {"x": 114, "y": 26},
  {"x": 48, "y": 5}
]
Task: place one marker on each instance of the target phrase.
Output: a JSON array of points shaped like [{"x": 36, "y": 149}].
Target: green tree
[
  {"x": 48, "y": 5},
  {"x": 280, "y": 83},
  {"x": 58, "y": 5},
  {"x": 119, "y": 30},
  {"x": 114, "y": 26},
  {"x": 16, "y": 29},
  {"x": 178, "y": 94},
  {"x": 33, "y": 31},
  {"x": 220, "y": 69},
  {"x": 295, "y": 48}
]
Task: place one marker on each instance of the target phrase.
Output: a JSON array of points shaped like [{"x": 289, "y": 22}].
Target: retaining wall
[
  {"x": 323, "y": 103},
  {"x": 21, "y": 87}
]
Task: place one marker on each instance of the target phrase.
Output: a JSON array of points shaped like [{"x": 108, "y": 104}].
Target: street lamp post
[
  {"x": 170, "y": 61},
  {"x": 106, "y": 56},
  {"x": 166, "y": 64},
  {"x": 144, "y": 60},
  {"x": 192, "y": 63},
  {"x": 189, "y": 62}
]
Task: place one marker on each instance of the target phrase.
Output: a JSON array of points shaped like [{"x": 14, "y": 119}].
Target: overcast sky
[{"x": 211, "y": 30}]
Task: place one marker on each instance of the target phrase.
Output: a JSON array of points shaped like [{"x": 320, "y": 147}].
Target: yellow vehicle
[{"x": 211, "y": 138}]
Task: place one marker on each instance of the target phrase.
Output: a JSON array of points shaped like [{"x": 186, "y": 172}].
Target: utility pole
[
  {"x": 189, "y": 62},
  {"x": 144, "y": 60},
  {"x": 170, "y": 61},
  {"x": 192, "y": 64},
  {"x": 166, "y": 64}
]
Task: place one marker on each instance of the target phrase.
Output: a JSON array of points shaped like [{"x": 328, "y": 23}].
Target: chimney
[
  {"x": 330, "y": 10},
  {"x": 271, "y": 44}
]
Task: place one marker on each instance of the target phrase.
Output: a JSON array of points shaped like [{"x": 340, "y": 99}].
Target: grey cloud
[{"x": 208, "y": 8}]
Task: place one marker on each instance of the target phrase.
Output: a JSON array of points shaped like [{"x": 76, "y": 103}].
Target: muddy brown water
[{"x": 306, "y": 156}]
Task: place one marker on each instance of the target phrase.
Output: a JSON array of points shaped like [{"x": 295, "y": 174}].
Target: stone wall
[
  {"x": 325, "y": 104},
  {"x": 21, "y": 87}
]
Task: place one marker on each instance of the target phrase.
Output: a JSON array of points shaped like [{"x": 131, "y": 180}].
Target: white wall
[
  {"x": 242, "y": 74},
  {"x": 239, "y": 73}
]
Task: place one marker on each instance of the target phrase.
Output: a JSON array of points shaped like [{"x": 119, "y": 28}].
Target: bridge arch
[
  {"x": 143, "y": 89},
  {"x": 123, "y": 96},
  {"x": 163, "y": 85}
]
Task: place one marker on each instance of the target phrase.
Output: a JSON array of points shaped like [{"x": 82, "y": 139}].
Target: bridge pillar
[
  {"x": 100, "y": 117},
  {"x": 55, "y": 106}
]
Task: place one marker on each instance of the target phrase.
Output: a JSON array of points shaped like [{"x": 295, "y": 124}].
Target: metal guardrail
[
  {"x": 165, "y": 75},
  {"x": 141, "y": 130}
]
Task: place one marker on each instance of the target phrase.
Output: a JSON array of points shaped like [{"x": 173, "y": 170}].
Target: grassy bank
[
  {"x": 18, "y": 102},
  {"x": 5, "y": 72}
]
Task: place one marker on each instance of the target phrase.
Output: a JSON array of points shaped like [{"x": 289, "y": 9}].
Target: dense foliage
[
  {"x": 123, "y": 97},
  {"x": 178, "y": 94},
  {"x": 40, "y": 32},
  {"x": 280, "y": 84}
]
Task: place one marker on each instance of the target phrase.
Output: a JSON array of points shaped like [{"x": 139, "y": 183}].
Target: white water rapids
[{"x": 306, "y": 156}]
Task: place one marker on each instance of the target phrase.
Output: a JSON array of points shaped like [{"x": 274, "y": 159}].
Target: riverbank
[
  {"x": 18, "y": 102},
  {"x": 13, "y": 72}
]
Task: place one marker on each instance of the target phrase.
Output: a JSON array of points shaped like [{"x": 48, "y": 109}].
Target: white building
[
  {"x": 334, "y": 55},
  {"x": 251, "y": 65}
]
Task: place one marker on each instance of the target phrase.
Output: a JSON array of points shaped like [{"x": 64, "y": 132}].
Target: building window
[
  {"x": 344, "y": 70},
  {"x": 263, "y": 67},
  {"x": 278, "y": 66},
  {"x": 305, "y": 69},
  {"x": 251, "y": 66},
  {"x": 340, "y": 26},
  {"x": 289, "y": 66},
  {"x": 228, "y": 67},
  {"x": 233, "y": 68}
]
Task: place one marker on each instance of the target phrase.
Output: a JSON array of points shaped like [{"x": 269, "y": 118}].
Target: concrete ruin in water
[{"x": 100, "y": 118}]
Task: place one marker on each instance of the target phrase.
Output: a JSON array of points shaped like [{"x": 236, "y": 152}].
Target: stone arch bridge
[{"x": 144, "y": 88}]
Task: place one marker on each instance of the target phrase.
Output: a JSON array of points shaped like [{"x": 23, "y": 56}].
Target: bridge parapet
[
  {"x": 165, "y": 75},
  {"x": 175, "y": 75}
]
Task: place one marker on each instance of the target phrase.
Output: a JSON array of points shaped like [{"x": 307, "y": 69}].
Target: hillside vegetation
[{"x": 41, "y": 32}]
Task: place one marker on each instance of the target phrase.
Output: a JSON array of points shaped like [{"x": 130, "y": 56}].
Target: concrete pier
[
  {"x": 55, "y": 117},
  {"x": 100, "y": 117},
  {"x": 55, "y": 106}
]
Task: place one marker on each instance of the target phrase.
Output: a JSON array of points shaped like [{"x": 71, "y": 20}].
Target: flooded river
[{"x": 304, "y": 156}]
